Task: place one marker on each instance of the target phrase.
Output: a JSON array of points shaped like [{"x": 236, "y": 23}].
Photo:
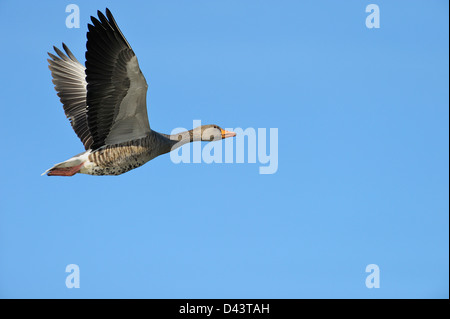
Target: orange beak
[{"x": 226, "y": 134}]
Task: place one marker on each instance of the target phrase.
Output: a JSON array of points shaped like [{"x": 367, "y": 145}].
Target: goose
[{"x": 105, "y": 103}]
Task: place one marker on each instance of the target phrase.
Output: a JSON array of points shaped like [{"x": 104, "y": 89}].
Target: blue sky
[{"x": 363, "y": 128}]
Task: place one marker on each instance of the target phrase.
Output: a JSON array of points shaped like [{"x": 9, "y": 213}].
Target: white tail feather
[{"x": 74, "y": 161}]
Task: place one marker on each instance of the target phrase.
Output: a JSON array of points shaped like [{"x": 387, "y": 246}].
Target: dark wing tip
[
  {"x": 109, "y": 15},
  {"x": 101, "y": 16},
  {"x": 66, "y": 49},
  {"x": 69, "y": 53},
  {"x": 54, "y": 57},
  {"x": 90, "y": 27},
  {"x": 59, "y": 52},
  {"x": 112, "y": 22},
  {"x": 95, "y": 22},
  {"x": 105, "y": 21}
]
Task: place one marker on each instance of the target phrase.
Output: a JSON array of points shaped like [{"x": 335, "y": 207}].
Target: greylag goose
[{"x": 106, "y": 105}]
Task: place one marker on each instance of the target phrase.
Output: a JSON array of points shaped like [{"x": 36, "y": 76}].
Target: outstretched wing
[
  {"x": 70, "y": 83},
  {"x": 116, "y": 87}
]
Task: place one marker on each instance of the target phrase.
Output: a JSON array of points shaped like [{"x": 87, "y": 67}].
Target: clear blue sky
[{"x": 363, "y": 176}]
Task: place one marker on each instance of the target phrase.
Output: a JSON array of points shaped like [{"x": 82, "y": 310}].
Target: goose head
[{"x": 211, "y": 133}]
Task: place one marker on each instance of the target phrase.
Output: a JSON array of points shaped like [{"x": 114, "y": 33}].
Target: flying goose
[{"x": 106, "y": 105}]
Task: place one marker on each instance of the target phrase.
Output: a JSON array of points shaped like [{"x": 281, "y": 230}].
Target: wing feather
[
  {"x": 69, "y": 79},
  {"x": 116, "y": 87}
]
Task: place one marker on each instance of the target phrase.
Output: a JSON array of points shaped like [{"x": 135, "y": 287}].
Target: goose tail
[{"x": 69, "y": 167}]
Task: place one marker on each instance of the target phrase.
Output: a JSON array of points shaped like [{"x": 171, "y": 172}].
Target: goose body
[{"x": 106, "y": 105}]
